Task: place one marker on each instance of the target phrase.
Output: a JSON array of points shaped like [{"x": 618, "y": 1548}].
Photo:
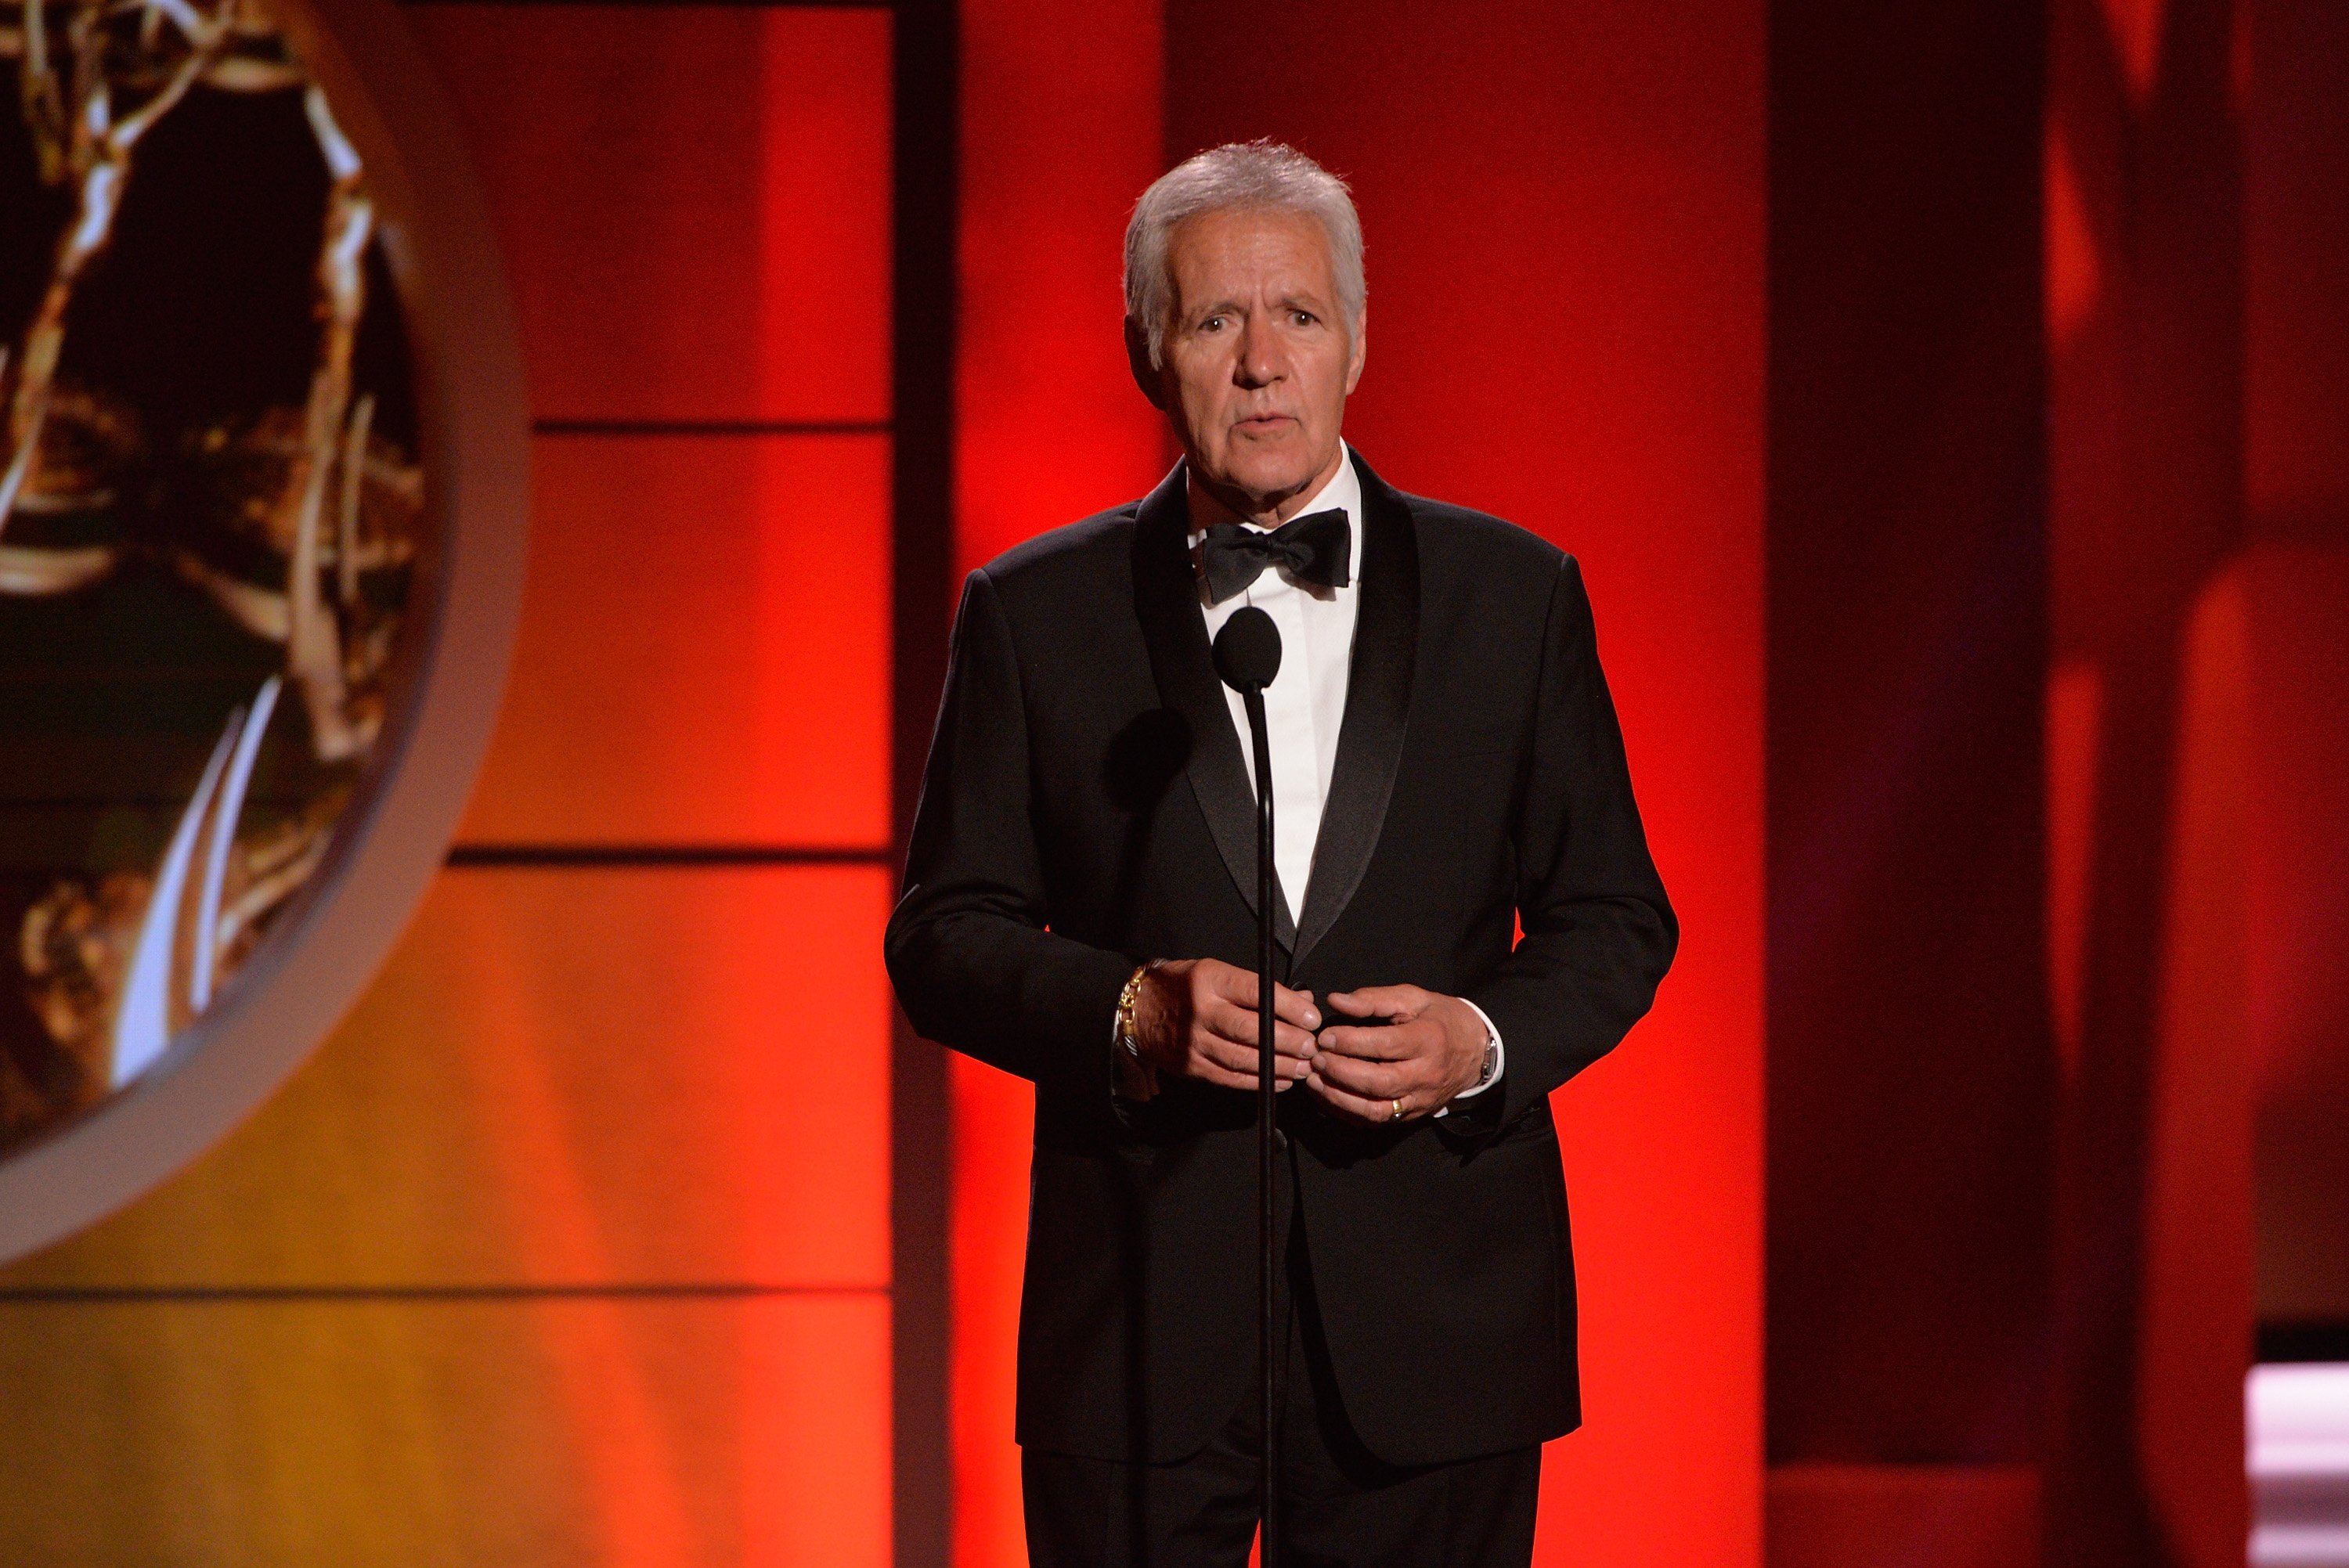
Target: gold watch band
[{"x": 1126, "y": 997}]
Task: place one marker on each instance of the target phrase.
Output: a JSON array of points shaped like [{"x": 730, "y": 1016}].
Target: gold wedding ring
[{"x": 1398, "y": 1112}]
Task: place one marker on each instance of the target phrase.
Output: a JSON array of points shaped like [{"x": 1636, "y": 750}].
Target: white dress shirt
[{"x": 1306, "y": 702}]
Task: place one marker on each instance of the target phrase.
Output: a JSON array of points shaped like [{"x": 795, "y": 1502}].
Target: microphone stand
[
  {"x": 1247, "y": 658},
  {"x": 1268, "y": 1337}
]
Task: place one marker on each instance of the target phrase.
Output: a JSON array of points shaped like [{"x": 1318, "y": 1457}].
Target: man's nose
[{"x": 1260, "y": 359}]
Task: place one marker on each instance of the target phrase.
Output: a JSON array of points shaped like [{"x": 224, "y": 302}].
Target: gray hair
[{"x": 1259, "y": 174}]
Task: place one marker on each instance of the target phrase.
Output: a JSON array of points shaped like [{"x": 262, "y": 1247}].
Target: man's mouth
[{"x": 1263, "y": 424}]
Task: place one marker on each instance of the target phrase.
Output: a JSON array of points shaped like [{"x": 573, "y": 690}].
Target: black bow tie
[{"x": 1315, "y": 548}]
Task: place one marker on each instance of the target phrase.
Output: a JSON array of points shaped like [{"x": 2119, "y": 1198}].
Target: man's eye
[
  {"x": 1212, "y": 323},
  {"x": 1304, "y": 317}
]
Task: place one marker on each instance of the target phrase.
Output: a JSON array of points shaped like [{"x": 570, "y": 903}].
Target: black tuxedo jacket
[{"x": 1086, "y": 807}]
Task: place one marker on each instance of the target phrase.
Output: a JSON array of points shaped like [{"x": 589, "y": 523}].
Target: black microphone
[
  {"x": 1247, "y": 656},
  {"x": 1248, "y": 650}
]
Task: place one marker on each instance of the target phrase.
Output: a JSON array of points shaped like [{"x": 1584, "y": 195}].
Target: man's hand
[
  {"x": 1197, "y": 1016},
  {"x": 1412, "y": 1067}
]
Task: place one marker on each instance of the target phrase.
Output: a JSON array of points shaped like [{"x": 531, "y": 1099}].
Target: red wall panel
[
  {"x": 2297, "y": 807},
  {"x": 2296, "y": 441},
  {"x": 2196, "y": 1317},
  {"x": 693, "y": 199},
  {"x": 1830, "y": 1515},
  {"x": 705, "y": 646}
]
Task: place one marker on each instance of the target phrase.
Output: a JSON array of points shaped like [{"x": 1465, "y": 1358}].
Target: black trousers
[{"x": 1340, "y": 1506}]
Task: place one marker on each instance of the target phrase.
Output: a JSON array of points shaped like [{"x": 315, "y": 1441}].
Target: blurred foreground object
[
  {"x": 207, "y": 495},
  {"x": 2298, "y": 1418}
]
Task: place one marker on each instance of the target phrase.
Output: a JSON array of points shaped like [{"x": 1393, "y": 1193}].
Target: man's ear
[
  {"x": 1358, "y": 350},
  {"x": 1137, "y": 359}
]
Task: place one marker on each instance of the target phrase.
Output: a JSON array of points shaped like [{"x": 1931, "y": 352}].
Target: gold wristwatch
[
  {"x": 1136, "y": 1081},
  {"x": 1126, "y": 1038}
]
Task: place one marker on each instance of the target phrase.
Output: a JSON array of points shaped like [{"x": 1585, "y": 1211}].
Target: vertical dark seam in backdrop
[
  {"x": 925, "y": 106},
  {"x": 1911, "y": 1075}
]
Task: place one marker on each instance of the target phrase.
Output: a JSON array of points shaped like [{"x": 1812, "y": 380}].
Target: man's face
[{"x": 1258, "y": 357}]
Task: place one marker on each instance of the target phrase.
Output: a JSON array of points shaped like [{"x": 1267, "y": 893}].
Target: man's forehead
[
  {"x": 1247, "y": 228},
  {"x": 1233, "y": 245}
]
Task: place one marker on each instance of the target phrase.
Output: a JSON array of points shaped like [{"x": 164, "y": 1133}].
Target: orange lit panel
[
  {"x": 814, "y": 1399},
  {"x": 694, "y": 200},
  {"x": 994, "y": 1123},
  {"x": 705, "y": 646},
  {"x": 565, "y": 1076},
  {"x": 639, "y": 1433}
]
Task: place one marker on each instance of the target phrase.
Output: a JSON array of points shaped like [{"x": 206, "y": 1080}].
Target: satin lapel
[
  {"x": 1378, "y": 703},
  {"x": 1167, "y": 599}
]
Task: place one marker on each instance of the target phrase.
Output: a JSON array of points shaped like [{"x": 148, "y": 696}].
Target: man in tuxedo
[{"x": 1079, "y": 909}]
